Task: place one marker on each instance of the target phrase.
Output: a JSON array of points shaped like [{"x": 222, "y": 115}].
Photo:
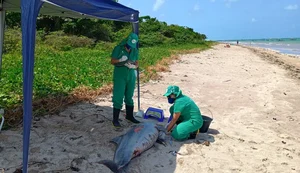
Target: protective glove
[
  {"x": 131, "y": 66},
  {"x": 124, "y": 58},
  {"x": 168, "y": 133}
]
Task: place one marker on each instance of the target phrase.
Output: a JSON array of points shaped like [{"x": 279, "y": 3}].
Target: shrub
[
  {"x": 12, "y": 41},
  {"x": 61, "y": 41}
]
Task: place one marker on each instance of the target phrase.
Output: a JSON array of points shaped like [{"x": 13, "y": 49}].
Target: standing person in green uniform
[
  {"x": 125, "y": 59},
  {"x": 185, "y": 113}
]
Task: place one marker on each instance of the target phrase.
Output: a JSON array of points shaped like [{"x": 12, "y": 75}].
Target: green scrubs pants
[
  {"x": 123, "y": 87},
  {"x": 183, "y": 130}
]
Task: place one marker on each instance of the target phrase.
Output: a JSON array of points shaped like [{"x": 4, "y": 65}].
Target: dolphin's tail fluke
[{"x": 110, "y": 164}]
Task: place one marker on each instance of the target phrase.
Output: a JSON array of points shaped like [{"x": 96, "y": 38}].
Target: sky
[{"x": 227, "y": 19}]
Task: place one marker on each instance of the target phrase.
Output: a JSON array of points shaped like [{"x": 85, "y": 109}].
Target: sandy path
[{"x": 256, "y": 127}]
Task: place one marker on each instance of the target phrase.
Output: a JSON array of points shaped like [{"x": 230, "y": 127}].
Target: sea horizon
[
  {"x": 289, "y": 46},
  {"x": 259, "y": 39}
]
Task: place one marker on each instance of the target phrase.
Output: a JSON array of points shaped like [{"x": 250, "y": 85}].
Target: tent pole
[
  {"x": 135, "y": 28},
  {"x": 29, "y": 12},
  {"x": 2, "y": 27}
]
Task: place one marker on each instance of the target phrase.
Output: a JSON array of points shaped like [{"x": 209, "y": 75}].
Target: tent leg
[
  {"x": 2, "y": 27},
  {"x": 29, "y": 13},
  {"x": 135, "y": 28}
]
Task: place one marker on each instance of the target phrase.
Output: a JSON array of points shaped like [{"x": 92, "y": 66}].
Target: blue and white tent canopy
[{"x": 102, "y": 9}]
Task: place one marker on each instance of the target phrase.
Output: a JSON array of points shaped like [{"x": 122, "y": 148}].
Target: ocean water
[{"x": 284, "y": 45}]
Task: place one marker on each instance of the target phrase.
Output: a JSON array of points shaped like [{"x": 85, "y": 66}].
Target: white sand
[{"x": 256, "y": 127}]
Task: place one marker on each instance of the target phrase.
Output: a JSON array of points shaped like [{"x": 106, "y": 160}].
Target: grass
[{"x": 63, "y": 77}]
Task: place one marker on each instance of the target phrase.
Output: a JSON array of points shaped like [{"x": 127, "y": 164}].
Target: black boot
[
  {"x": 193, "y": 135},
  {"x": 116, "y": 113},
  {"x": 129, "y": 114}
]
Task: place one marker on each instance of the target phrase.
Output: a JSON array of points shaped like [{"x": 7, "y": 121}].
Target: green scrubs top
[
  {"x": 123, "y": 77},
  {"x": 190, "y": 117}
]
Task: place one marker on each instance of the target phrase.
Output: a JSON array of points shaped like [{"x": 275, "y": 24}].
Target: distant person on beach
[
  {"x": 237, "y": 42},
  {"x": 125, "y": 60},
  {"x": 185, "y": 113}
]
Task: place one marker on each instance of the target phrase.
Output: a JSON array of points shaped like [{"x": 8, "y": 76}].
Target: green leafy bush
[
  {"x": 61, "y": 41},
  {"x": 73, "y": 53},
  {"x": 12, "y": 41}
]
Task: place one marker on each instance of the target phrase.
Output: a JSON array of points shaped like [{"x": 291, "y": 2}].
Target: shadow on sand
[
  {"x": 78, "y": 138},
  {"x": 164, "y": 159}
]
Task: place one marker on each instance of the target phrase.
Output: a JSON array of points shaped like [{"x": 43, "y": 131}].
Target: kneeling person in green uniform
[
  {"x": 185, "y": 113},
  {"x": 125, "y": 59}
]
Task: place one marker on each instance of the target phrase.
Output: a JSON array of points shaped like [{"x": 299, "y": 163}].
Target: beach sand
[{"x": 252, "y": 94}]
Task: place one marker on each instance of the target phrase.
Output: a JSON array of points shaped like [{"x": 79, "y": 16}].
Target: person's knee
[{"x": 178, "y": 135}]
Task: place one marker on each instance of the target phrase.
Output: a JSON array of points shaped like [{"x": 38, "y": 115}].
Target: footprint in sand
[
  {"x": 189, "y": 151},
  {"x": 285, "y": 136},
  {"x": 236, "y": 170},
  {"x": 35, "y": 149},
  {"x": 78, "y": 164},
  {"x": 180, "y": 161},
  {"x": 290, "y": 118},
  {"x": 252, "y": 142},
  {"x": 241, "y": 140},
  {"x": 253, "y": 148},
  {"x": 171, "y": 162},
  {"x": 289, "y": 156}
]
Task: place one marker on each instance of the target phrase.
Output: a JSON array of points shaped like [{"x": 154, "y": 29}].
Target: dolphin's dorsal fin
[{"x": 117, "y": 140}]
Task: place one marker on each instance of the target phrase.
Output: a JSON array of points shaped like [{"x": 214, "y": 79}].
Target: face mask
[
  {"x": 127, "y": 46},
  {"x": 171, "y": 100}
]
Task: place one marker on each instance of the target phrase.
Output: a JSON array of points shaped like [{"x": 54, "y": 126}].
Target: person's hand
[
  {"x": 168, "y": 133},
  {"x": 124, "y": 58},
  {"x": 131, "y": 66}
]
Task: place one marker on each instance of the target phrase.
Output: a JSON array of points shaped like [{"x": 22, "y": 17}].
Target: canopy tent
[{"x": 102, "y": 9}]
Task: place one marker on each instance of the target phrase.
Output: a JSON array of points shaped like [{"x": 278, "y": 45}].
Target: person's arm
[
  {"x": 173, "y": 121},
  {"x": 115, "y": 56},
  {"x": 113, "y": 61}
]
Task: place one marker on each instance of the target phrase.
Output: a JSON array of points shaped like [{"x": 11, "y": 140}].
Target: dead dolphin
[{"x": 136, "y": 140}]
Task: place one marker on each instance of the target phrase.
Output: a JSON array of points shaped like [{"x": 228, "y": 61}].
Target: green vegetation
[{"x": 71, "y": 53}]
